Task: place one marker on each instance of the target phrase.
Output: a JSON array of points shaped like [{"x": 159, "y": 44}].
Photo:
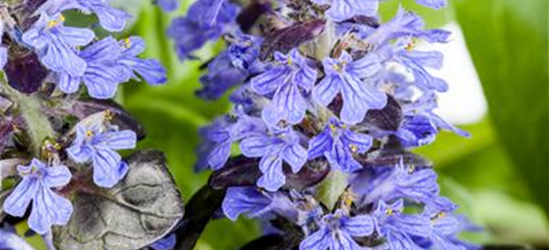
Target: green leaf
[{"x": 508, "y": 43}]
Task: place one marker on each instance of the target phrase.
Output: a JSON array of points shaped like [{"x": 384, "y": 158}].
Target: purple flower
[
  {"x": 168, "y": 5},
  {"x": 220, "y": 135},
  {"x": 150, "y": 70},
  {"x": 341, "y": 10},
  {"x": 111, "y": 19},
  {"x": 280, "y": 145},
  {"x": 255, "y": 203},
  {"x": 99, "y": 146},
  {"x": 397, "y": 228},
  {"x": 166, "y": 243},
  {"x": 287, "y": 81},
  {"x": 416, "y": 130},
  {"x": 338, "y": 144},
  {"x": 190, "y": 34},
  {"x": 345, "y": 76},
  {"x": 48, "y": 208},
  {"x": 337, "y": 231},
  {"x": 56, "y": 44},
  {"x": 102, "y": 75}
]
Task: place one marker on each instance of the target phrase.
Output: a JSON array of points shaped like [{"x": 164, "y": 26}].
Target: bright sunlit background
[{"x": 496, "y": 66}]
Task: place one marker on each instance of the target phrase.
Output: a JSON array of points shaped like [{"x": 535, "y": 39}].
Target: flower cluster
[
  {"x": 324, "y": 85},
  {"x": 56, "y": 138}
]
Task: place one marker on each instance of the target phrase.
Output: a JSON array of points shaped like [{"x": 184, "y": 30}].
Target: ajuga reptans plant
[
  {"x": 61, "y": 135},
  {"x": 328, "y": 102}
]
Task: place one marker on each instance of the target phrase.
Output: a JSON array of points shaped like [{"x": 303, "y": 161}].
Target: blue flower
[
  {"x": 345, "y": 76},
  {"x": 425, "y": 106},
  {"x": 435, "y": 4},
  {"x": 168, "y": 5},
  {"x": 56, "y": 44},
  {"x": 255, "y": 203},
  {"x": 287, "y": 81},
  {"x": 416, "y": 131},
  {"x": 221, "y": 76},
  {"x": 11, "y": 241},
  {"x": 110, "y": 18},
  {"x": 166, "y": 243},
  {"x": 341, "y": 10},
  {"x": 399, "y": 229},
  {"x": 413, "y": 183},
  {"x": 417, "y": 62},
  {"x": 48, "y": 208},
  {"x": 337, "y": 231},
  {"x": 99, "y": 146},
  {"x": 150, "y": 70},
  {"x": 220, "y": 135},
  {"x": 280, "y": 145},
  {"x": 190, "y": 35},
  {"x": 338, "y": 144},
  {"x": 102, "y": 75},
  {"x": 243, "y": 51},
  {"x": 207, "y": 11}
]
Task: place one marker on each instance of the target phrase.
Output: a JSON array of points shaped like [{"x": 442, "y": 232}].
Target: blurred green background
[{"x": 499, "y": 176}]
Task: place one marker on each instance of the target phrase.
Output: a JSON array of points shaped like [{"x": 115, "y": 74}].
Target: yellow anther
[
  {"x": 337, "y": 67},
  {"x": 333, "y": 127},
  {"x": 411, "y": 169},
  {"x": 54, "y": 23},
  {"x": 109, "y": 115},
  {"x": 411, "y": 45},
  {"x": 389, "y": 211},
  {"x": 127, "y": 43},
  {"x": 89, "y": 133},
  {"x": 289, "y": 61},
  {"x": 438, "y": 216},
  {"x": 354, "y": 148}
]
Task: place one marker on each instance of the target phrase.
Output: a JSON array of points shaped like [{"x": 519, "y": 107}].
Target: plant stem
[{"x": 37, "y": 124}]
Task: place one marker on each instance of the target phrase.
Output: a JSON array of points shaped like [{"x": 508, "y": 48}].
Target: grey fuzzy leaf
[{"x": 142, "y": 208}]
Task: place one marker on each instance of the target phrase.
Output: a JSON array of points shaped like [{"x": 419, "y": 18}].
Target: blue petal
[
  {"x": 48, "y": 208},
  {"x": 165, "y": 243},
  {"x": 219, "y": 155},
  {"x": 150, "y": 70},
  {"x": 106, "y": 165},
  {"x": 361, "y": 225},
  {"x": 59, "y": 57},
  {"x": 296, "y": 156},
  {"x": 288, "y": 104},
  {"x": 342, "y": 10},
  {"x": 320, "y": 144},
  {"x": 206, "y": 11},
  {"x": 118, "y": 140},
  {"x": 168, "y": 5},
  {"x": 269, "y": 81},
  {"x": 326, "y": 90},
  {"x": 273, "y": 177},
  {"x": 256, "y": 146},
  {"x": 244, "y": 200},
  {"x": 16, "y": 204},
  {"x": 75, "y": 36},
  {"x": 435, "y": 4},
  {"x": 107, "y": 49},
  {"x": 69, "y": 84},
  {"x": 320, "y": 240},
  {"x": 110, "y": 18},
  {"x": 56, "y": 176},
  {"x": 358, "y": 98},
  {"x": 102, "y": 81}
]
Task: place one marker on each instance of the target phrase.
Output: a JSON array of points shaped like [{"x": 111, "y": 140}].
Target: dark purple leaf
[
  {"x": 84, "y": 108},
  {"x": 242, "y": 171},
  {"x": 285, "y": 39},
  {"x": 249, "y": 16},
  {"x": 388, "y": 119},
  {"x": 198, "y": 212},
  {"x": 24, "y": 72},
  {"x": 391, "y": 154}
]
